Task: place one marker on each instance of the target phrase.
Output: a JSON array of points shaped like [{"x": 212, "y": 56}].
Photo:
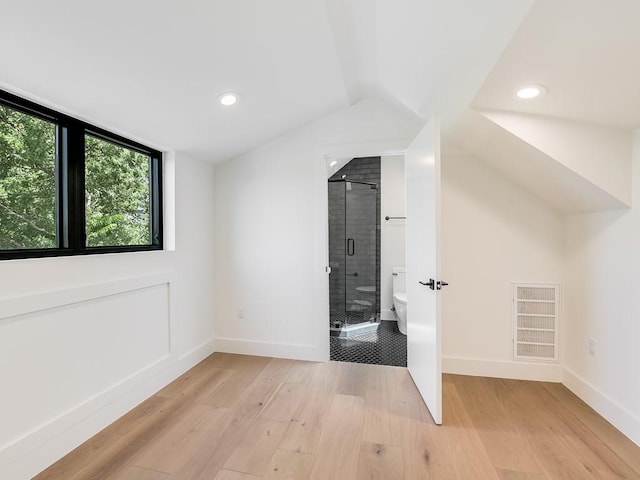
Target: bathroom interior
[{"x": 367, "y": 291}]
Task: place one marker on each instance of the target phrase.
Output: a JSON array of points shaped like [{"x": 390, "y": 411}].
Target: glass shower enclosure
[{"x": 353, "y": 252}]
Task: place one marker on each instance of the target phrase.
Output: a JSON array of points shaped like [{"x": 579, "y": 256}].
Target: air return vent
[{"x": 535, "y": 322}]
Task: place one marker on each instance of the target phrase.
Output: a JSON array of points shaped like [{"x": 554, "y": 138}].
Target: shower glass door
[
  {"x": 353, "y": 283},
  {"x": 360, "y": 255}
]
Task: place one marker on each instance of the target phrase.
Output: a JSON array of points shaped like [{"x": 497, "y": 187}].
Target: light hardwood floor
[{"x": 236, "y": 417}]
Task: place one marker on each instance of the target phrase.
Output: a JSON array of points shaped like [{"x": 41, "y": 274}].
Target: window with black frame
[
  {"x": 67, "y": 187},
  {"x": 28, "y": 187}
]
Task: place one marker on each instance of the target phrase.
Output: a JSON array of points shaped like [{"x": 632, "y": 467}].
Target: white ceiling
[
  {"x": 434, "y": 55},
  {"x": 584, "y": 51},
  {"x": 152, "y": 69}
]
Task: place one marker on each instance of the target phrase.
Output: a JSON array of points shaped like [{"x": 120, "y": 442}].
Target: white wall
[
  {"x": 392, "y": 235},
  {"x": 603, "y": 281},
  {"x": 84, "y": 339},
  {"x": 271, "y": 232},
  {"x": 494, "y": 233}
]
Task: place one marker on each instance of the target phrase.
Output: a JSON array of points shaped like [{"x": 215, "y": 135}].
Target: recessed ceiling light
[
  {"x": 228, "y": 98},
  {"x": 531, "y": 91},
  {"x": 333, "y": 164}
]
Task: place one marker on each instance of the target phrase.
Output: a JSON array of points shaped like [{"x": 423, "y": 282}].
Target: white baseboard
[
  {"x": 542, "y": 372},
  {"x": 612, "y": 411},
  {"x": 193, "y": 357},
  {"x": 37, "y": 450},
  {"x": 266, "y": 349}
]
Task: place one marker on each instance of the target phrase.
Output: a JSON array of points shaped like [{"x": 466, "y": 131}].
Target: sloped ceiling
[
  {"x": 152, "y": 69},
  {"x": 583, "y": 52},
  {"x": 527, "y": 165},
  {"x": 434, "y": 55}
]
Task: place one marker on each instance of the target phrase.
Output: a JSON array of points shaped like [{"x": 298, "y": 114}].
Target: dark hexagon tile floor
[{"x": 387, "y": 346}]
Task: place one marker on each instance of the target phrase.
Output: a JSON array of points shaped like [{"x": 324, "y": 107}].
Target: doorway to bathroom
[{"x": 362, "y": 324}]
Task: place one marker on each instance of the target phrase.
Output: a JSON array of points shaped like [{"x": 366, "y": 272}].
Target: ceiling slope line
[
  {"x": 562, "y": 187},
  {"x": 598, "y": 153}
]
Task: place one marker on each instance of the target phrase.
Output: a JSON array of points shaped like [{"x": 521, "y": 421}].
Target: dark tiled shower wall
[
  {"x": 337, "y": 254},
  {"x": 364, "y": 170}
]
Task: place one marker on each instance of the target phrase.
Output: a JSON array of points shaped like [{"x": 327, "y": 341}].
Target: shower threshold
[{"x": 347, "y": 331}]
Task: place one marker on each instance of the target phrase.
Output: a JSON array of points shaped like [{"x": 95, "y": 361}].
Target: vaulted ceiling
[{"x": 153, "y": 69}]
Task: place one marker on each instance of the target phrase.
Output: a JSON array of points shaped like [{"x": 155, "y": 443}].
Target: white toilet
[{"x": 400, "y": 297}]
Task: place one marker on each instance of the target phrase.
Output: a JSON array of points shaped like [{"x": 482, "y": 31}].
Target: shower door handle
[{"x": 351, "y": 247}]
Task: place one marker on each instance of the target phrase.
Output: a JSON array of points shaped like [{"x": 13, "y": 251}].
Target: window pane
[
  {"x": 117, "y": 194},
  {"x": 27, "y": 181}
]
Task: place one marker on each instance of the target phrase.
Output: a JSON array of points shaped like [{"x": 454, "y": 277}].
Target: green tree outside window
[
  {"x": 117, "y": 194},
  {"x": 27, "y": 181}
]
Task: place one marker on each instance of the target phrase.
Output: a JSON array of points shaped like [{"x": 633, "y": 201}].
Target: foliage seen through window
[
  {"x": 27, "y": 181},
  {"x": 117, "y": 194}
]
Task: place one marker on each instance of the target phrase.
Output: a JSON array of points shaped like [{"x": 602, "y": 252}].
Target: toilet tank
[{"x": 399, "y": 279}]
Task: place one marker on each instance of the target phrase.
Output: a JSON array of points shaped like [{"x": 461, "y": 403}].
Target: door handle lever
[
  {"x": 440, "y": 284},
  {"x": 431, "y": 284}
]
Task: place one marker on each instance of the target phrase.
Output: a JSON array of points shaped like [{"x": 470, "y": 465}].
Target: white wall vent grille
[{"x": 535, "y": 322}]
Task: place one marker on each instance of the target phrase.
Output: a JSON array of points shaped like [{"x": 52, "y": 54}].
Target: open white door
[{"x": 424, "y": 361}]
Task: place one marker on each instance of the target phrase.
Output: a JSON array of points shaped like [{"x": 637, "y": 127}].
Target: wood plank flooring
[{"x": 235, "y": 417}]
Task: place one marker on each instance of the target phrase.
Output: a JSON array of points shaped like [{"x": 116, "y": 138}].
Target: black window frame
[{"x": 70, "y": 184}]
